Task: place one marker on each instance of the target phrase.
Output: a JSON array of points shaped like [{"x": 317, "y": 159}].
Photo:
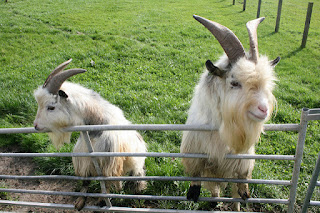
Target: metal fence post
[
  {"x": 278, "y": 16},
  {"x": 259, "y": 8},
  {"x": 311, "y": 186},
  {"x": 307, "y": 25},
  {"x": 298, "y": 158}
]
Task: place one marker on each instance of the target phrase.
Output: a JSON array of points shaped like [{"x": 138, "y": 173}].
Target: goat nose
[
  {"x": 36, "y": 126},
  {"x": 263, "y": 108}
]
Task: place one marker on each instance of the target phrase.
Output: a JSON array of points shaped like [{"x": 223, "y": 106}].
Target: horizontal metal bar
[
  {"x": 281, "y": 127},
  {"x": 314, "y": 203},
  {"x": 261, "y": 157},
  {"x": 146, "y": 197},
  {"x": 105, "y": 154},
  {"x": 147, "y": 178},
  {"x": 313, "y": 117},
  {"x": 159, "y": 127},
  {"x": 314, "y": 111},
  {"x": 96, "y": 208},
  {"x": 147, "y": 154},
  {"x": 18, "y": 130},
  {"x": 314, "y": 114}
]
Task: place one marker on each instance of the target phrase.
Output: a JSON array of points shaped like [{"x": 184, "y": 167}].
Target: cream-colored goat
[
  {"x": 235, "y": 96},
  {"x": 62, "y": 104}
]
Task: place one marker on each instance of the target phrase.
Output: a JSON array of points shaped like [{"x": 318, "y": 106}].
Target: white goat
[
  {"x": 62, "y": 104},
  {"x": 234, "y": 96}
]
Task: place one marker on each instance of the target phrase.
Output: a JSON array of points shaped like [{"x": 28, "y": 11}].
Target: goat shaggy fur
[
  {"x": 76, "y": 105},
  {"x": 237, "y": 103}
]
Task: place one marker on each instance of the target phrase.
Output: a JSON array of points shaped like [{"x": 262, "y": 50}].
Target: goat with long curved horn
[
  {"x": 227, "y": 39},
  {"x": 234, "y": 95},
  {"x": 56, "y": 77}
]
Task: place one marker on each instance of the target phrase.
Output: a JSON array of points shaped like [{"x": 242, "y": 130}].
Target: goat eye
[
  {"x": 51, "y": 108},
  {"x": 235, "y": 84}
]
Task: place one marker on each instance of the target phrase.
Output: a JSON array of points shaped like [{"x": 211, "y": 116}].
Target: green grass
[{"x": 148, "y": 58}]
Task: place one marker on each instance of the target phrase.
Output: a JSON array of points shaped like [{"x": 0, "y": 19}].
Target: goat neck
[
  {"x": 227, "y": 39},
  {"x": 57, "y": 77}
]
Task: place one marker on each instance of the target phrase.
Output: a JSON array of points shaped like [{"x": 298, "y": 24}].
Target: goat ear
[
  {"x": 214, "y": 70},
  {"x": 62, "y": 94},
  {"x": 275, "y": 61}
]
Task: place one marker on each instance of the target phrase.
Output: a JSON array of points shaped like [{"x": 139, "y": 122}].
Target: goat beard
[
  {"x": 58, "y": 138},
  {"x": 238, "y": 131}
]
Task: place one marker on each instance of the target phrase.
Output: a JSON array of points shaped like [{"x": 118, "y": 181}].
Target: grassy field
[{"x": 148, "y": 57}]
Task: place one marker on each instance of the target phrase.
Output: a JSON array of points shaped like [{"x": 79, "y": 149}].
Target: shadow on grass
[
  {"x": 268, "y": 35},
  {"x": 293, "y": 53}
]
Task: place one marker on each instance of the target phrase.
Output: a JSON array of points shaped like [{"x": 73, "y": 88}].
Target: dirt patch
[{"x": 26, "y": 166}]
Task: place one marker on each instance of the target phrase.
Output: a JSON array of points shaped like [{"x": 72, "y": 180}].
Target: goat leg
[
  {"x": 104, "y": 201},
  {"x": 101, "y": 202},
  {"x": 136, "y": 187},
  {"x": 194, "y": 191},
  {"x": 214, "y": 188},
  {"x": 243, "y": 190},
  {"x": 239, "y": 190},
  {"x": 81, "y": 201}
]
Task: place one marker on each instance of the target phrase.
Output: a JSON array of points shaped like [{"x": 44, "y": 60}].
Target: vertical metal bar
[
  {"x": 244, "y": 5},
  {"x": 278, "y": 16},
  {"x": 233, "y": 2},
  {"x": 298, "y": 158},
  {"x": 96, "y": 165},
  {"x": 311, "y": 186},
  {"x": 259, "y": 7},
  {"x": 307, "y": 25}
]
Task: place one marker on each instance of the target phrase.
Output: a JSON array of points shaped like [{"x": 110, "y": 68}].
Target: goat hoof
[
  {"x": 80, "y": 203},
  {"x": 136, "y": 187},
  {"x": 244, "y": 195},
  {"x": 213, "y": 204},
  {"x": 194, "y": 193},
  {"x": 101, "y": 203}
]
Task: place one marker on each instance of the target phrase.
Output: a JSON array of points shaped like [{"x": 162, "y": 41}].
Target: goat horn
[
  {"x": 227, "y": 39},
  {"x": 252, "y": 31},
  {"x": 56, "y": 71},
  {"x": 56, "y": 77},
  {"x": 57, "y": 80}
]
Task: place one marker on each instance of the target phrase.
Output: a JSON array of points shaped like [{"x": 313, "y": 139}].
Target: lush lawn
[{"x": 148, "y": 57}]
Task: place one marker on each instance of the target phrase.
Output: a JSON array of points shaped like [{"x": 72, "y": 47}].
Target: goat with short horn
[
  {"x": 234, "y": 95},
  {"x": 62, "y": 104}
]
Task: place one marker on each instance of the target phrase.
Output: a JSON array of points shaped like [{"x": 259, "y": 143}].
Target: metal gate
[
  {"x": 306, "y": 115},
  {"x": 312, "y": 185}
]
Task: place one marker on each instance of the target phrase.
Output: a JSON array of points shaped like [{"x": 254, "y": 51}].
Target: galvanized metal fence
[
  {"x": 313, "y": 183},
  {"x": 306, "y": 115}
]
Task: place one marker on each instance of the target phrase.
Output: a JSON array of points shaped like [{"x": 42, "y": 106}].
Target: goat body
[
  {"x": 76, "y": 105},
  {"x": 234, "y": 96}
]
